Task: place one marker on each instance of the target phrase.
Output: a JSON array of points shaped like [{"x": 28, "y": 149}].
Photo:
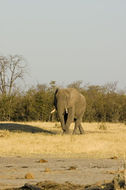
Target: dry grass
[{"x": 37, "y": 138}]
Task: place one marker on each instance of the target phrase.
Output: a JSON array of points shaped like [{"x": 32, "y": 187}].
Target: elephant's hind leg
[
  {"x": 78, "y": 126},
  {"x": 75, "y": 131},
  {"x": 81, "y": 129}
]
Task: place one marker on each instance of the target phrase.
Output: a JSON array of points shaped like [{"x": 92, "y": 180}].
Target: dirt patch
[
  {"x": 67, "y": 173},
  {"x": 29, "y": 176},
  {"x": 42, "y": 161}
]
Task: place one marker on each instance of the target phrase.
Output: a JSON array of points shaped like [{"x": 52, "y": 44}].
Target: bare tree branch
[{"x": 12, "y": 68}]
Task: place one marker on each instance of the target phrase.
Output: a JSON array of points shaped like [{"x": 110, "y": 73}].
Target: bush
[{"x": 103, "y": 104}]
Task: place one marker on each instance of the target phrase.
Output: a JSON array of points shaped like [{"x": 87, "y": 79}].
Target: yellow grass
[{"x": 27, "y": 139}]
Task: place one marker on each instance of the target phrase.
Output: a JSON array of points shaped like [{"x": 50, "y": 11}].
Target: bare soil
[{"x": 65, "y": 171}]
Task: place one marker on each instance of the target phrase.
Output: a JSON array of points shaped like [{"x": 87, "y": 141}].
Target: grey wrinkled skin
[{"x": 70, "y": 105}]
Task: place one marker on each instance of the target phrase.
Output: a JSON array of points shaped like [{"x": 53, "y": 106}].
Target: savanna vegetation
[
  {"x": 101, "y": 140},
  {"x": 27, "y": 108},
  {"x": 104, "y": 103}
]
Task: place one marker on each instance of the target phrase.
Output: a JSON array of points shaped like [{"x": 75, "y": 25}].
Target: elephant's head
[{"x": 60, "y": 103}]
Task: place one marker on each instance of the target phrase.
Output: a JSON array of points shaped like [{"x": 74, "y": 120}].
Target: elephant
[{"x": 70, "y": 105}]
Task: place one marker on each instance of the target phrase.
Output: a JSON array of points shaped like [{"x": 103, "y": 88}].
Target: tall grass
[{"x": 36, "y": 138}]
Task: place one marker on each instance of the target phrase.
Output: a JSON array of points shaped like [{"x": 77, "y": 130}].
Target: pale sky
[{"x": 67, "y": 40}]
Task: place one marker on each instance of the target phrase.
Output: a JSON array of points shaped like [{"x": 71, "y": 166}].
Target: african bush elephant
[{"x": 70, "y": 105}]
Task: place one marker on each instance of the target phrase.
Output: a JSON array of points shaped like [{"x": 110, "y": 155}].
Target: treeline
[{"x": 104, "y": 103}]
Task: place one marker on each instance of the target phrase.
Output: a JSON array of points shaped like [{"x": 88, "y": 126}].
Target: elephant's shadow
[{"x": 16, "y": 127}]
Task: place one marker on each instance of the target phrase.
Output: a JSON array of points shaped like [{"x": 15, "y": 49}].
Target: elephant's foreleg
[
  {"x": 62, "y": 122},
  {"x": 70, "y": 117}
]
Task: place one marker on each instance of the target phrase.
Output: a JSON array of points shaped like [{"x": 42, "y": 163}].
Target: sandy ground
[{"x": 74, "y": 170}]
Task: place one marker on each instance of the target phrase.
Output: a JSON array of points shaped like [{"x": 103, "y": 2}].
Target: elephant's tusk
[
  {"x": 66, "y": 110},
  {"x": 53, "y": 111}
]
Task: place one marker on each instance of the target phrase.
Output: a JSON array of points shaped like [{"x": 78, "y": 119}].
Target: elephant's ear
[
  {"x": 56, "y": 91},
  {"x": 55, "y": 99}
]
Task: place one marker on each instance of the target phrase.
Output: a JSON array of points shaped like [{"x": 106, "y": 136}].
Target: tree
[
  {"x": 12, "y": 68},
  {"x": 76, "y": 84}
]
